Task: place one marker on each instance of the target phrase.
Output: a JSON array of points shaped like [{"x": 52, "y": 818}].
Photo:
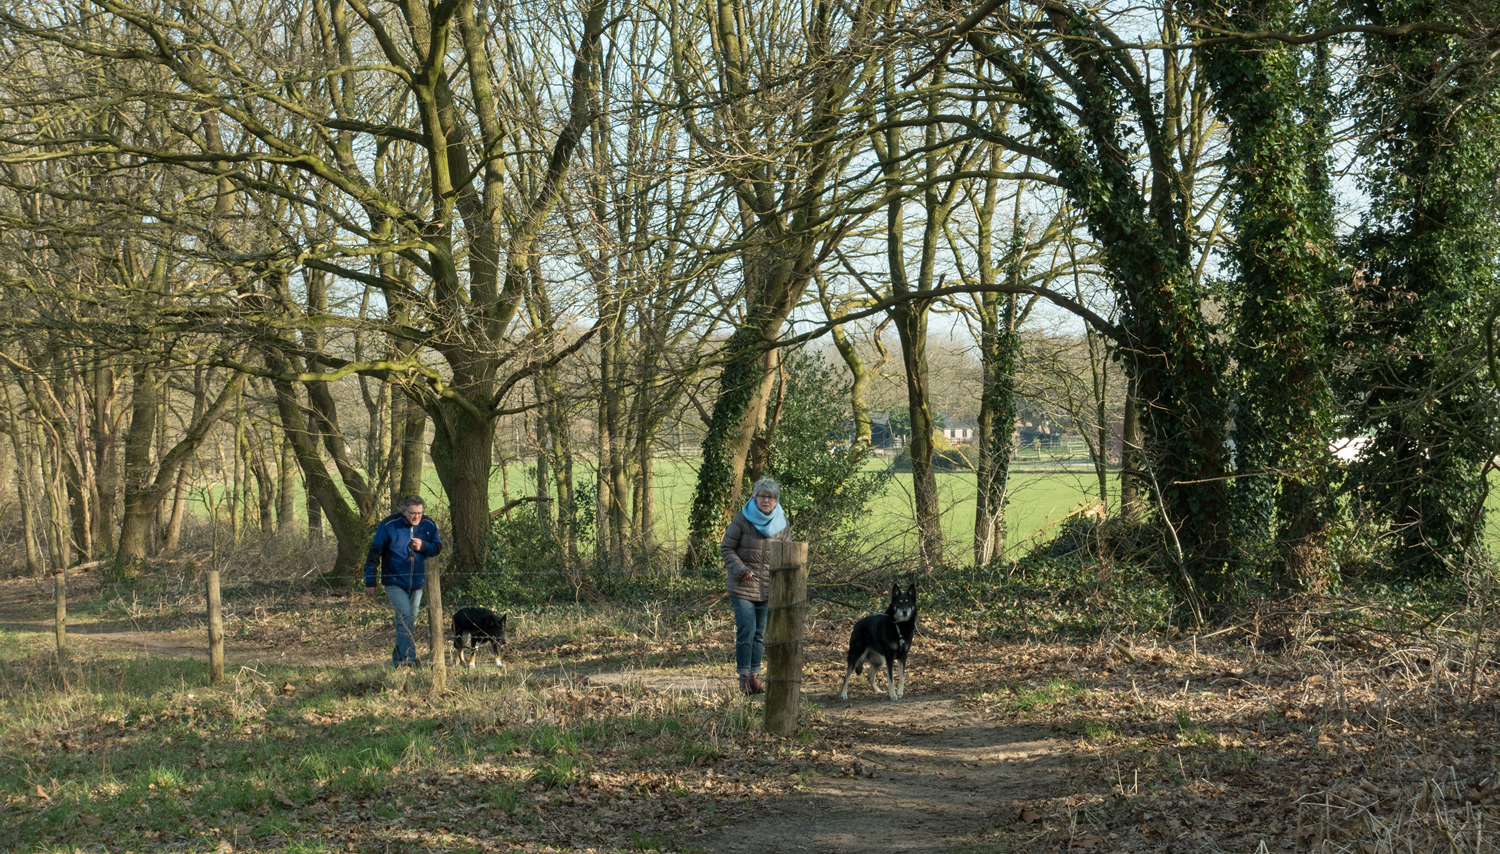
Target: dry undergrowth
[
  {"x": 1346, "y": 741},
  {"x": 1185, "y": 748}
]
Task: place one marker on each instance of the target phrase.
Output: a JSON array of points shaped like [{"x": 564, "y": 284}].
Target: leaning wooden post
[
  {"x": 215, "y": 629},
  {"x": 435, "y": 623},
  {"x": 60, "y": 597},
  {"x": 784, "y": 633}
]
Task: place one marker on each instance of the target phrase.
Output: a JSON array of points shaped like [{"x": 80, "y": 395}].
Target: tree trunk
[
  {"x": 286, "y": 489},
  {"x": 1285, "y": 262},
  {"x": 611, "y": 510},
  {"x": 314, "y": 514},
  {"x": 775, "y": 278},
  {"x": 140, "y": 502},
  {"x": 859, "y": 383},
  {"x": 999, "y": 347},
  {"x": 348, "y": 526},
  {"x": 461, "y": 450},
  {"x": 911, "y": 327},
  {"x": 78, "y": 502},
  {"x": 106, "y": 483},
  {"x": 265, "y": 488},
  {"x": 236, "y": 488},
  {"x": 413, "y": 460},
  {"x": 1131, "y": 460},
  {"x": 26, "y": 479},
  {"x": 546, "y": 509},
  {"x": 999, "y": 350},
  {"x": 562, "y": 472},
  {"x": 173, "y": 534},
  {"x": 57, "y": 515},
  {"x": 144, "y": 490}
]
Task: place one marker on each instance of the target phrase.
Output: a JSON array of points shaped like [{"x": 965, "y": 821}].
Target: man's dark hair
[{"x": 412, "y": 501}]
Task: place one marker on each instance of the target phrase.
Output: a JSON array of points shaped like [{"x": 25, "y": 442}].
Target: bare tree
[{"x": 433, "y": 134}]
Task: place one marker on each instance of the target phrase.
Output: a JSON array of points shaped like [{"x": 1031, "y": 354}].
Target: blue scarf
[{"x": 768, "y": 525}]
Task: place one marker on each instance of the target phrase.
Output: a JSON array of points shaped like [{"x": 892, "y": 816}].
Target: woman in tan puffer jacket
[{"x": 747, "y": 559}]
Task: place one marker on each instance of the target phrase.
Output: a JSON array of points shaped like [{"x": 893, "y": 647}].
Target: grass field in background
[
  {"x": 1041, "y": 496},
  {"x": 1043, "y": 493}
]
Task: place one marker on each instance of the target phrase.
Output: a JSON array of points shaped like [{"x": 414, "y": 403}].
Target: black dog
[
  {"x": 884, "y": 639},
  {"x": 474, "y": 626}
]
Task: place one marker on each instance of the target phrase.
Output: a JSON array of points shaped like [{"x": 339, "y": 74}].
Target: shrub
[
  {"x": 824, "y": 492},
  {"x": 524, "y": 565}
]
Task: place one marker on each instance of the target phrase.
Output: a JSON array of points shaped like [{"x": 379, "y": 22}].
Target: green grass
[
  {"x": 1020, "y": 698},
  {"x": 122, "y": 742},
  {"x": 1040, "y": 498}
]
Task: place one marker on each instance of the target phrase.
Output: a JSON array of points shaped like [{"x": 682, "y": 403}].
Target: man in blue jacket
[{"x": 403, "y": 542}]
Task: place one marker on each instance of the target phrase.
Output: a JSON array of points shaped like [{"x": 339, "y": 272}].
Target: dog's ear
[
  {"x": 912, "y": 590},
  {"x": 895, "y": 589}
]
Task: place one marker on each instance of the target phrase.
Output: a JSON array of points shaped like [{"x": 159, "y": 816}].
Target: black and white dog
[
  {"x": 474, "y": 626},
  {"x": 884, "y": 639}
]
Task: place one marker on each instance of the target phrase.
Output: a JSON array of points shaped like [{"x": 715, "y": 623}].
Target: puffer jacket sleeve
[
  {"x": 432, "y": 543},
  {"x": 729, "y": 548}
]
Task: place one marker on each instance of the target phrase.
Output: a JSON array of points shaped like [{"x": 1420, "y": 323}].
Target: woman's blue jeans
[
  {"x": 749, "y": 634},
  {"x": 406, "y": 604}
]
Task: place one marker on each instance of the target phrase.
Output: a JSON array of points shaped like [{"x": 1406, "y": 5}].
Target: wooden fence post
[
  {"x": 435, "y": 623},
  {"x": 60, "y": 597},
  {"x": 215, "y": 630},
  {"x": 784, "y": 632}
]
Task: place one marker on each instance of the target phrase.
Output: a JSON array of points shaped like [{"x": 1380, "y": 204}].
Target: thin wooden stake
[
  {"x": 784, "y": 632},
  {"x": 435, "y": 623},
  {"x": 215, "y": 630}
]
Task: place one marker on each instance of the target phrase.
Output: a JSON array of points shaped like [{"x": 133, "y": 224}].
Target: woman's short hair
[{"x": 767, "y": 485}]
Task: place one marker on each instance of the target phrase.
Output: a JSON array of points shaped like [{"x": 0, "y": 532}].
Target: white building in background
[{"x": 960, "y": 434}]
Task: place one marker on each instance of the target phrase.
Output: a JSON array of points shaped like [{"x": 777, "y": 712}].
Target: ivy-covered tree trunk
[
  {"x": 1169, "y": 346},
  {"x": 781, "y": 159},
  {"x": 1428, "y": 253},
  {"x": 1285, "y": 263},
  {"x": 999, "y": 351},
  {"x": 774, "y": 283},
  {"x": 1132, "y": 500}
]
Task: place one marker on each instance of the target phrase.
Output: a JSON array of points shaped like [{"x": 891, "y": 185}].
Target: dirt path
[{"x": 929, "y": 775}]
